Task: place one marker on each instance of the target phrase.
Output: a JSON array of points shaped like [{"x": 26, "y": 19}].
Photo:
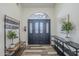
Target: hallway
[
  {"x": 27, "y": 29},
  {"x": 39, "y": 50}
]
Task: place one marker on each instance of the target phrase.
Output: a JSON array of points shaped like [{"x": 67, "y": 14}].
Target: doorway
[{"x": 39, "y": 30}]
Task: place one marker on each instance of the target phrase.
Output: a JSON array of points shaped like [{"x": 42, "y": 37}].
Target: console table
[{"x": 61, "y": 43}]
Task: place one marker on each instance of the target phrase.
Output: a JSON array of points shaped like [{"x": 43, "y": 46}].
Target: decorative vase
[
  {"x": 68, "y": 38},
  {"x": 12, "y": 45}
]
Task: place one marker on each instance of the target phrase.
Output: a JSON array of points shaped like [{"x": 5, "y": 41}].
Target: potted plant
[
  {"x": 67, "y": 27},
  {"x": 11, "y": 35}
]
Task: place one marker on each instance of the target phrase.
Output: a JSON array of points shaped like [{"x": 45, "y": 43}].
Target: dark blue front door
[{"x": 38, "y": 31}]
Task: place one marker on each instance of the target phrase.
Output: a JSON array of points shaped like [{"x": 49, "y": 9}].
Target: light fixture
[{"x": 24, "y": 28}]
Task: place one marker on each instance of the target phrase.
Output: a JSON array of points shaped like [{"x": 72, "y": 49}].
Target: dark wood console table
[{"x": 61, "y": 43}]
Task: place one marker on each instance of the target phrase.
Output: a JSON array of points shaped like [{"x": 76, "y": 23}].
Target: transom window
[{"x": 39, "y": 15}]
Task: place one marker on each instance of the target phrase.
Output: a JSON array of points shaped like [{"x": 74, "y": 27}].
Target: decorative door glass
[
  {"x": 36, "y": 27},
  {"x": 41, "y": 27}
]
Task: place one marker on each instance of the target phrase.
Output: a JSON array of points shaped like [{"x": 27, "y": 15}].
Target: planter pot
[
  {"x": 68, "y": 39},
  {"x": 12, "y": 45}
]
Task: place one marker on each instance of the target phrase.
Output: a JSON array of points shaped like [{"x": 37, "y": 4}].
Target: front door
[{"x": 39, "y": 31}]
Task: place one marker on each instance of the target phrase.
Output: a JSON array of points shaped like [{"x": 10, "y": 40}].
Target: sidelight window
[{"x": 30, "y": 27}]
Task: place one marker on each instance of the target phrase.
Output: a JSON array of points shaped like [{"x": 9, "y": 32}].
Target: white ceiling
[{"x": 31, "y": 5}]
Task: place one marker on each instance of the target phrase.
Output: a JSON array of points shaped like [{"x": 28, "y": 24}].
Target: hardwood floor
[{"x": 39, "y": 50}]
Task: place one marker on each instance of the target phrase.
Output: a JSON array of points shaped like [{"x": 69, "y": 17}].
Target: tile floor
[{"x": 39, "y": 50}]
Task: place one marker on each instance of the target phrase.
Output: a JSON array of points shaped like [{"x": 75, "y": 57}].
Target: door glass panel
[
  {"x": 41, "y": 27},
  {"x": 47, "y": 28},
  {"x": 30, "y": 27},
  {"x": 36, "y": 27}
]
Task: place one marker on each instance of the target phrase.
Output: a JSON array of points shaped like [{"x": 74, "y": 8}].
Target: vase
[{"x": 12, "y": 45}]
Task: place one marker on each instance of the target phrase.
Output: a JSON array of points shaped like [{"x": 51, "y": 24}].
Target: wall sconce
[{"x": 25, "y": 28}]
